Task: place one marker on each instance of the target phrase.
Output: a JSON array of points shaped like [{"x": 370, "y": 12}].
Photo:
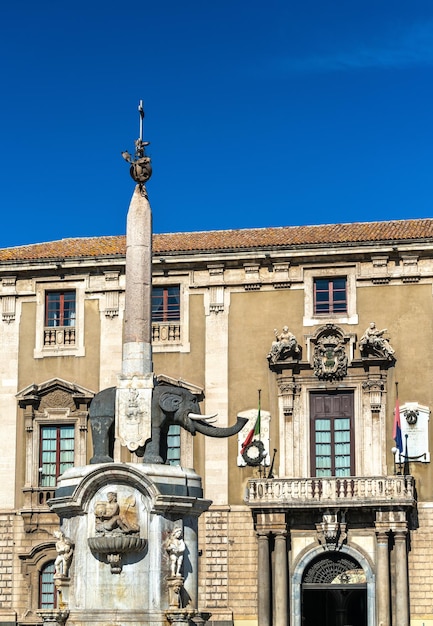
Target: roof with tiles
[{"x": 231, "y": 240}]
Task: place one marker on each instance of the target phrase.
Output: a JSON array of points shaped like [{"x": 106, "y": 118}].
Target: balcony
[
  {"x": 351, "y": 492},
  {"x": 166, "y": 332},
  {"x": 59, "y": 336}
]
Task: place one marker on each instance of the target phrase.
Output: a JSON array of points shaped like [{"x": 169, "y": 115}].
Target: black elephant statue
[
  {"x": 101, "y": 415},
  {"x": 171, "y": 404}
]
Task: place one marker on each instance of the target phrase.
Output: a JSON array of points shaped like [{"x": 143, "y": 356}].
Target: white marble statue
[
  {"x": 65, "y": 551},
  {"x": 175, "y": 547}
]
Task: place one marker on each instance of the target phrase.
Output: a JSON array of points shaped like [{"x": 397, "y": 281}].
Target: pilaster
[{"x": 216, "y": 384}]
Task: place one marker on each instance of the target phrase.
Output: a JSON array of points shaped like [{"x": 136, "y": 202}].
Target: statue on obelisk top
[
  {"x": 141, "y": 168},
  {"x": 135, "y": 383}
]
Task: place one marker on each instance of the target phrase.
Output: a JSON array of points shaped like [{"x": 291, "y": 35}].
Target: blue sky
[{"x": 259, "y": 114}]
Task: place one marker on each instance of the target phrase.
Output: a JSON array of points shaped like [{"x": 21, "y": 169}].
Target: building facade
[{"x": 323, "y": 519}]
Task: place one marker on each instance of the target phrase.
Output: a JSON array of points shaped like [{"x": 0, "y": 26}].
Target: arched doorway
[{"x": 334, "y": 592}]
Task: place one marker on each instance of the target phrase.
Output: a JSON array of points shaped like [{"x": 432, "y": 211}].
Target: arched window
[{"x": 47, "y": 590}]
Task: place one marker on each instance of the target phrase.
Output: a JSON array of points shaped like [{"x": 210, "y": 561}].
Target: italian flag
[{"x": 254, "y": 432}]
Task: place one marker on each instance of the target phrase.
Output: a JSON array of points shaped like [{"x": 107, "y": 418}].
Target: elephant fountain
[{"x": 171, "y": 404}]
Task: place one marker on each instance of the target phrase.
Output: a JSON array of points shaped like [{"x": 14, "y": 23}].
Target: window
[
  {"x": 56, "y": 452},
  {"x": 173, "y": 445},
  {"x": 332, "y": 434},
  {"x": 165, "y": 304},
  {"x": 60, "y": 308},
  {"x": 166, "y": 327},
  {"x": 60, "y": 318},
  {"x": 47, "y": 590},
  {"x": 330, "y": 295}
]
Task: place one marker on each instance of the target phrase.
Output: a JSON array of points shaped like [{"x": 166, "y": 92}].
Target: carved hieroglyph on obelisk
[{"x": 135, "y": 383}]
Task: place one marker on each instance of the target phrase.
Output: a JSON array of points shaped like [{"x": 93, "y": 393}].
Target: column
[
  {"x": 280, "y": 581},
  {"x": 216, "y": 476},
  {"x": 401, "y": 581},
  {"x": 382, "y": 578},
  {"x": 190, "y": 535},
  {"x": 264, "y": 580}
]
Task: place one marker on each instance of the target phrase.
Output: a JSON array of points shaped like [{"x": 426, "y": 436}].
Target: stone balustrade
[
  {"x": 59, "y": 336},
  {"x": 166, "y": 332},
  {"x": 333, "y": 491}
]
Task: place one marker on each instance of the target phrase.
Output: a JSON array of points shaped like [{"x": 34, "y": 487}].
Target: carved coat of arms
[{"x": 330, "y": 358}]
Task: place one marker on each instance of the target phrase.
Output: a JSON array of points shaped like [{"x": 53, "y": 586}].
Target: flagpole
[
  {"x": 397, "y": 420},
  {"x": 259, "y": 416}
]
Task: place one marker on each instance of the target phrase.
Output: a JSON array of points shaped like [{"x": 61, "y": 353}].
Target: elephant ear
[{"x": 169, "y": 402}]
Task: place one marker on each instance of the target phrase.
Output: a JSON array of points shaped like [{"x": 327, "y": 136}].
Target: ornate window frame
[
  {"x": 344, "y": 271},
  {"x": 54, "y": 402},
  {"x": 67, "y": 284},
  {"x": 177, "y": 339},
  {"x": 33, "y": 563}
]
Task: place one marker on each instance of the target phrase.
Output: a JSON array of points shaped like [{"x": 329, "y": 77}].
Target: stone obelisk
[
  {"x": 137, "y": 340},
  {"x": 135, "y": 383}
]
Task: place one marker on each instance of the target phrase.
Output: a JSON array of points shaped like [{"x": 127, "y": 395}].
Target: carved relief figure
[
  {"x": 110, "y": 519},
  {"x": 133, "y": 412},
  {"x": 175, "y": 547},
  {"x": 65, "y": 551},
  {"x": 373, "y": 343},
  {"x": 284, "y": 346}
]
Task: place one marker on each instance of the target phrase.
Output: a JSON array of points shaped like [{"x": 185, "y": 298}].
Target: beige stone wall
[
  {"x": 24, "y": 562},
  {"x": 81, "y": 370},
  {"x": 6, "y": 562},
  {"x": 420, "y": 567},
  {"x": 228, "y": 565}
]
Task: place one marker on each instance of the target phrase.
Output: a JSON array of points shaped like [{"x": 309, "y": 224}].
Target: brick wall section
[
  {"x": 228, "y": 565},
  {"x": 242, "y": 565},
  {"x": 420, "y": 563},
  {"x": 214, "y": 573},
  {"x": 6, "y": 560}
]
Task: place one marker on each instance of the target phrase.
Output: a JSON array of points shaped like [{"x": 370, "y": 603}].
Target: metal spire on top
[{"x": 141, "y": 168}]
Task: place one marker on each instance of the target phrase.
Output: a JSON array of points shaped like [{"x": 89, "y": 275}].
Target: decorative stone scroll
[
  {"x": 288, "y": 390},
  {"x": 216, "y": 288},
  {"x": 331, "y": 532},
  {"x": 375, "y": 388},
  {"x": 9, "y": 298},
  {"x": 53, "y": 617}
]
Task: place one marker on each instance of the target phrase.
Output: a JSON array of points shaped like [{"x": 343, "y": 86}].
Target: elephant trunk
[{"x": 214, "y": 431}]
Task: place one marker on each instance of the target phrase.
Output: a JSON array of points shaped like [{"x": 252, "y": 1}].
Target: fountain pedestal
[{"x": 120, "y": 517}]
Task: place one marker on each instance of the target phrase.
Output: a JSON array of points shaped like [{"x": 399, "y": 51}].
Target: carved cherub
[
  {"x": 109, "y": 517},
  {"x": 65, "y": 551},
  {"x": 175, "y": 547}
]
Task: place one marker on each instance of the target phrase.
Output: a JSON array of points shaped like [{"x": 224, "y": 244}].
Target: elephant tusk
[{"x": 208, "y": 418}]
